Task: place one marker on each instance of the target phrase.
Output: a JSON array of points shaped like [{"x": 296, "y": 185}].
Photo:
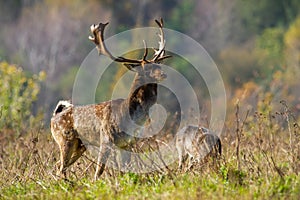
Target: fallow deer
[
  {"x": 195, "y": 143},
  {"x": 99, "y": 126}
]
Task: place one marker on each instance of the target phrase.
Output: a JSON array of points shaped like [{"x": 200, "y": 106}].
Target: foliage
[
  {"x": 292, "y": 44},
  {"x": 51, "y": 36},
  {"x": 266, "y": 13},
  {"x": 270, "y": 47},
  {"x": 239, "y": 66},
  {"x": 249, "y": 41},
  {"x": 179, "y": 20},
  {"x": 65, "y": 85},
  {"x": 18, "y": 92}
]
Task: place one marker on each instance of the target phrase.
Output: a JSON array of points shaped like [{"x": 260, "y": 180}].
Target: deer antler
[
  {"x": 161, "y": 48},
  {"x": 98, "y": 39},
  {"x": 146, "y": 51}
]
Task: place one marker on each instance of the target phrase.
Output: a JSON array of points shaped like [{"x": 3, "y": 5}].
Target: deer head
[
  {"x": 148, "y": 69},
  {"x": 143, "y": 92}
]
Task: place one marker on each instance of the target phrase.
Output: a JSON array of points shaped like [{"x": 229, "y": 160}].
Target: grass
[
  {"x": 186, "y": 186},
  {"x": 261, "y": 160}
]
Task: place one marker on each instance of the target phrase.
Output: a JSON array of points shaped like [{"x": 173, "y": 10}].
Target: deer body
[
  {"x": 194, "y": 144},
  {"x": 97, "y": 127}
]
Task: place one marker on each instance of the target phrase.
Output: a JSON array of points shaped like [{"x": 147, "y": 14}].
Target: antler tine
[
  {"x": 162, "y": 58},
  {"x": 98, "y": 39},
  {"x": 146, "y": 51},
  {"x": 159, "y": 54}
]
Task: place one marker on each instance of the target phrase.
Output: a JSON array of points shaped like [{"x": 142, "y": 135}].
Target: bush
[{"x": 17, "y": 94}]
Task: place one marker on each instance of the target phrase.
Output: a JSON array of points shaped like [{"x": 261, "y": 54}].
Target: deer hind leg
[{"x": 103, "y": 155}]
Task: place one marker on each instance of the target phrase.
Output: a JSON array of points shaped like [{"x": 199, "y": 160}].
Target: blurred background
[{"x": 256, "y": 47}]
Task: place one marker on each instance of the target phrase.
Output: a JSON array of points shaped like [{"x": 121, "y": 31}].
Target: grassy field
[{"x": 261, "y": 160}]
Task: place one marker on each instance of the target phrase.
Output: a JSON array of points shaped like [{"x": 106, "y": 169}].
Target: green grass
[{"x": 128, "y": 186}]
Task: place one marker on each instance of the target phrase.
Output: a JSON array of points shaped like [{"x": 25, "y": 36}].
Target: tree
[
  {"x": 255, "y": 17},
  {"x": 50, "y": 36},
  {"x": 270, "y": 46},
  {"x": 292, "y": 51},
  {"x": 142, "y": 12}
]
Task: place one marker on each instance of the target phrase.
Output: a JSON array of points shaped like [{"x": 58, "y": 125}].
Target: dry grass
[{"x": 261, "y": 159}]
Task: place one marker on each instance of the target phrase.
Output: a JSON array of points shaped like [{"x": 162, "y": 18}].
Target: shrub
[{"x": 17, "y": 94}]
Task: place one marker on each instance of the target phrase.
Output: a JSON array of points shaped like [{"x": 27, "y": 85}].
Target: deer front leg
[{"x": 103, "y": 155}]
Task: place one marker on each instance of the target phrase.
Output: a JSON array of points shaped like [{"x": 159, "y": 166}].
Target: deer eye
[{"x": 68, "y": 132}]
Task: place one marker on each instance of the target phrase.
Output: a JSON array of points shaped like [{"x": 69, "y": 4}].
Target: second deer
[{"x": 195, "y": 143}]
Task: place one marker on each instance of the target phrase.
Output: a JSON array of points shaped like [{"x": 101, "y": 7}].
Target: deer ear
[{"x": 131, "y": 66}]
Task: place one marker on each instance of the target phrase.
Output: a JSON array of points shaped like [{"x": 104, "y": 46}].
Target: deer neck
[{"x": 141, "y": 97}]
